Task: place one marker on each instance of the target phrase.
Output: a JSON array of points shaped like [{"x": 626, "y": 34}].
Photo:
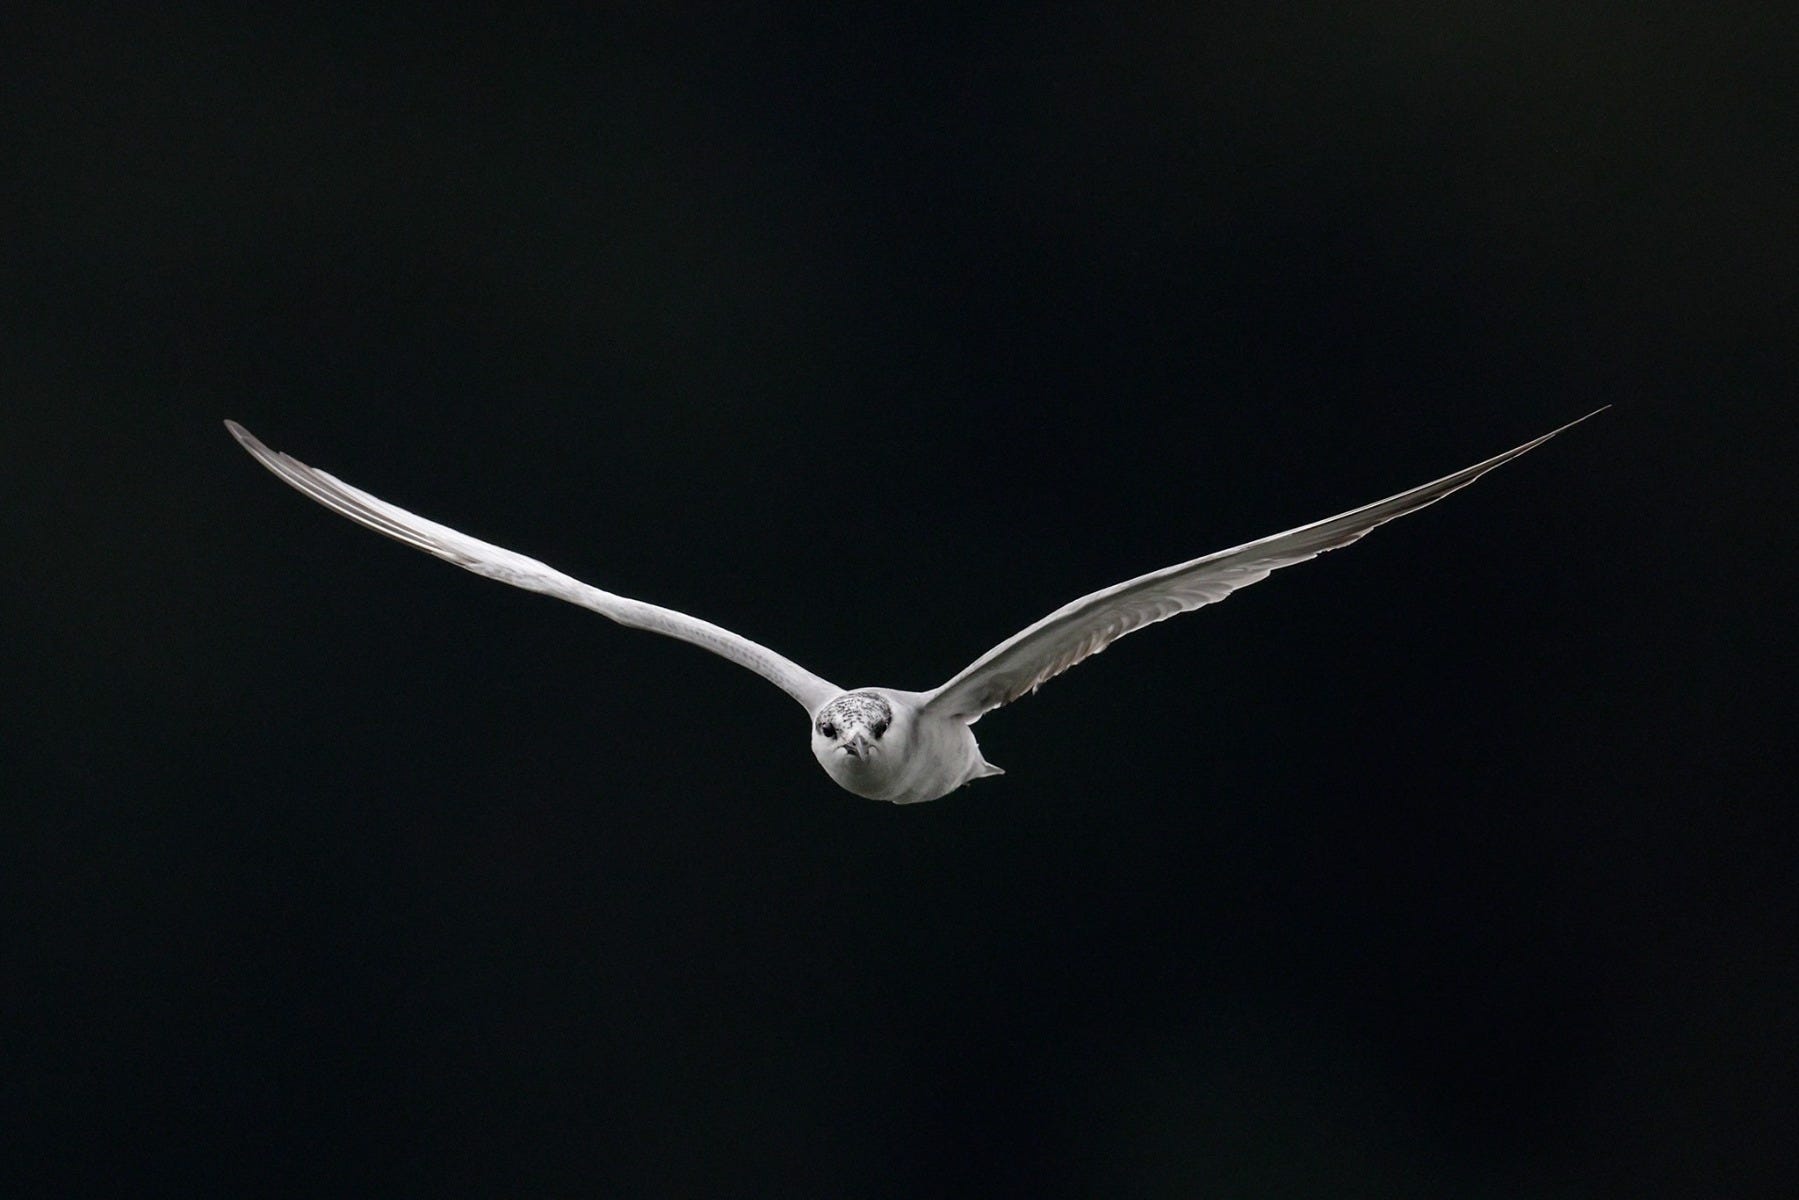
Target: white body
[
  {"x": 883, "y": 743},
  {"x": 921, "y": 756}
]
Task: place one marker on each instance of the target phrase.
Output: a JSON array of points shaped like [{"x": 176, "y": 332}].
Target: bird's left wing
[
  {"x": 1023, "y": 662},
  {"x": 494, "y": 562}
]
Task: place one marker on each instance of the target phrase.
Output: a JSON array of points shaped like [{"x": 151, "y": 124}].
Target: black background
[{"x": 1458, "y": 864}]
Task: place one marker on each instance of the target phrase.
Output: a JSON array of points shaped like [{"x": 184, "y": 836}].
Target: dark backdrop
[{"x": 1458, "y": 864}]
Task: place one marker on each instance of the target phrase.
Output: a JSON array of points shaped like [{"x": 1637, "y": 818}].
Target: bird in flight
[{"x": 885, "y": 743}]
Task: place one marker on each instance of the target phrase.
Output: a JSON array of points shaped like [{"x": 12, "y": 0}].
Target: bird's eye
[
  {"x": 880, "y": 727},
  {"x": 828, "y": 729}
]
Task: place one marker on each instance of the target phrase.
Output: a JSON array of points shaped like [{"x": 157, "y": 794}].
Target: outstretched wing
[
  {"x": 1023, "y": 662},
  {"x": 495, "y": 563}
]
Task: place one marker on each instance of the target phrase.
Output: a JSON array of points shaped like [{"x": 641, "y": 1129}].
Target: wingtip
[
  {"x": 1588, "y": 417},
  {"x": 250, "y": 442},
  {"x": 1559, "y": 429}
]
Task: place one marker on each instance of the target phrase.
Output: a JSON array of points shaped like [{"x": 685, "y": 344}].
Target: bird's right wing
[
  {"x": 496, "y": 563},
  {"x": 1076, "y": 631}
]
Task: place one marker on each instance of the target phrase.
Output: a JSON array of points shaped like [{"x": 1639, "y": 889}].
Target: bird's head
[{"x": 849, "y": 729}]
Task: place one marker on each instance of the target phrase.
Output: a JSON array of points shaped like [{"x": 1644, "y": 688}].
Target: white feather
[
  {"x": 1028, "y": 659},
  {"x": 494, "y": 562}
]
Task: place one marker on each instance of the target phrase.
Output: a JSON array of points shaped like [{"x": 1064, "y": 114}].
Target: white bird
[{"x": 885, "y": 743}]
